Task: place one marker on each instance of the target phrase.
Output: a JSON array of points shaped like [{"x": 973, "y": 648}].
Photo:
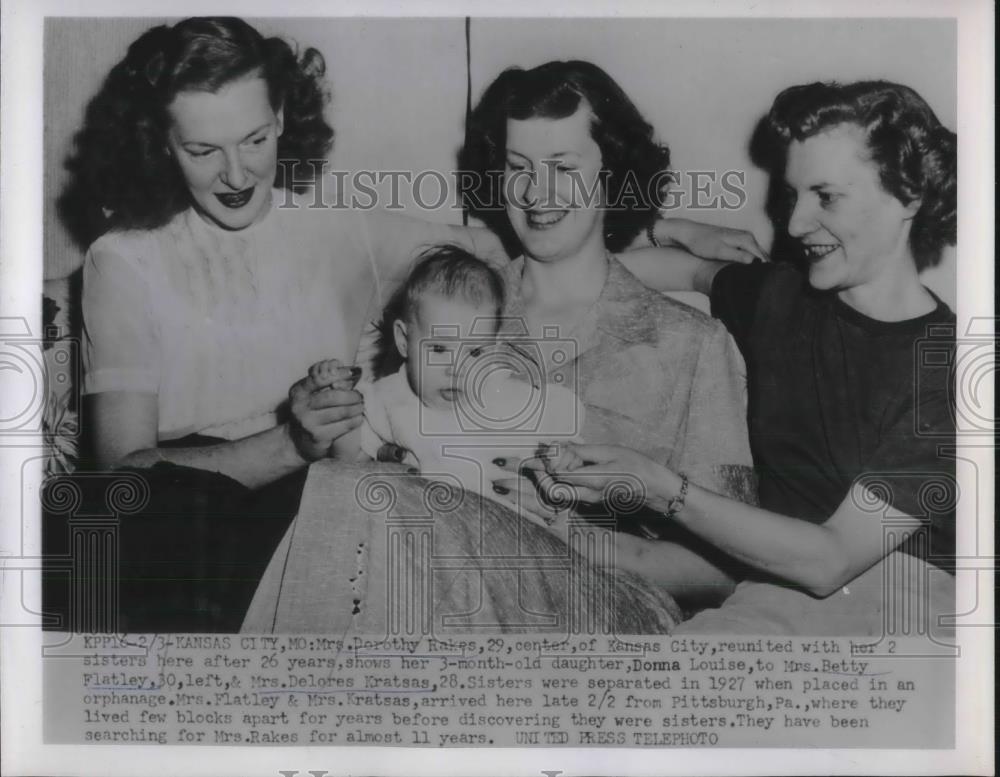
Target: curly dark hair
[
  {"x": 121, "y": 176},
  {"x": 633, "y": 164},
  {"x": 914, "y": 152},
  {"x": 447, "y": 270}
]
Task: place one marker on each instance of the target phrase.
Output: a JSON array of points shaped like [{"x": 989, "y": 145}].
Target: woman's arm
[
  {"x": 125, "y": 433},
  {"x": 124, "y": 426},
  {"x": 708, "y": 240},
  {"x": 819, "y": 557},
  {"x": 688, "y": 576},
  {"x": 677, "y": 266},
  {"x": 671, "y": 269},
  {"x": 691, "y": 254}
]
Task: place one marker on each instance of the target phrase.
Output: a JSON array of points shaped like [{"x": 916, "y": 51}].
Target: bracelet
[
  {"x": 676, "y": 503},
  {"x": 651, "y": 234}
]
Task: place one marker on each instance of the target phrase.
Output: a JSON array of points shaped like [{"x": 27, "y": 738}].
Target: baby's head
[{"x": 446, "y": 313}]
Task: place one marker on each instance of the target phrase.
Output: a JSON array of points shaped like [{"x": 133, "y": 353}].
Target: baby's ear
[{"x": 399, "y": 335}]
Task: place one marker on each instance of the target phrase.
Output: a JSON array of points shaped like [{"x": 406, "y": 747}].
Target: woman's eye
[
  {"x": 200, "y": 154},
  {"x": 565, "y": 168},
  {"x": 515, "y": 166},
  {"x": 258, "y": 141},
  {"x": 826, "y": 198}
]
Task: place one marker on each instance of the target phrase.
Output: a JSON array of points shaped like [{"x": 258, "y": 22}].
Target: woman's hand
[
  {"x": 521, "y": 489},
  {"x": 324, "y": 406},
  {"x": 595, "y": 474},
  {"x": 708, "y": 241}
]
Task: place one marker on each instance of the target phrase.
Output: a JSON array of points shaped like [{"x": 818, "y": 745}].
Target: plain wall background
[{"x": 399, "y": 86}]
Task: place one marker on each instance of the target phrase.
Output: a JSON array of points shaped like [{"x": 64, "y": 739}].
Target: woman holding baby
[
  {"x": 648, "y": 371},
  {"x": 208, "y": 292}
]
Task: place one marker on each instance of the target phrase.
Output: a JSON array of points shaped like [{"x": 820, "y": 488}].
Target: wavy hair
[
  {"x": 121, "y": 176},
  {"x": 915, "y": 154},
  {"x": 632, "y": 162}
]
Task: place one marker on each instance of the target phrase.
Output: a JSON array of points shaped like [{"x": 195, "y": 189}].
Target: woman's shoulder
[
  {"x": 123, "y": 239},
  {"x": 136, "y": 247},
  {"x": 309, "y": 224},
  {"x": 654, "y": 313}
]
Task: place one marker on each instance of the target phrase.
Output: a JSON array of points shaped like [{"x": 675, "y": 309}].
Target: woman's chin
[
  {"x": 544, "y": 247},
  {"x": 823, "y": 277}
]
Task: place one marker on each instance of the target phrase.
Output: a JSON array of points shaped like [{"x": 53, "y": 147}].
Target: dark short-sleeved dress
[{"x": 834, "y": 397}]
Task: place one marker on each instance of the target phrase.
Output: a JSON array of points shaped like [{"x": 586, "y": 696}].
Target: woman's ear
[
  {"x": 399, "y": 335},
  {"x": 280, "y": 115},
  {"x": 911, "y": 208}
]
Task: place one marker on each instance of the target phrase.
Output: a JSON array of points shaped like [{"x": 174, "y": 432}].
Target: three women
[{"x": 182, "y": 302}]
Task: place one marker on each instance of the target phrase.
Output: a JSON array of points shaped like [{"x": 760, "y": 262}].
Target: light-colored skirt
[{"x": 374, "y": 550}]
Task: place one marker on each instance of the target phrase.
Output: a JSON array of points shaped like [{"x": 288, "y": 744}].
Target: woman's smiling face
[
  {"x": 853, "y": 232},
  {"x": 226, "y": 145},
  {"x": 552, "y": 175}
]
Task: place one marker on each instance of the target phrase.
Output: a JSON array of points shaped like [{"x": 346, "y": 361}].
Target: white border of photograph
[{"x": 20, "y": 287}]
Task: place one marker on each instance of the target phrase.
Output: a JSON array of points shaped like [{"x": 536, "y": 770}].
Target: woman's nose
[
  {"x": 522, "y": 186},
  {"x": 543, "y": 185},
  {"x": 234, "y": 173},
  {"x": 533, "y": 188},
  {"x": 801, "y": 221}
]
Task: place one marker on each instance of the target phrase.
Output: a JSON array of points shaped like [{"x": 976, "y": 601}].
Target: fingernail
[
  {"x": 500, "y": 462},
  {"x": 501, "y": 490}
]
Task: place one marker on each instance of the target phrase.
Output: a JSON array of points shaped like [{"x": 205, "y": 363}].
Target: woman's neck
[
  {"x": 893, "y": 296},
  {"x": 567, "y": 283}
]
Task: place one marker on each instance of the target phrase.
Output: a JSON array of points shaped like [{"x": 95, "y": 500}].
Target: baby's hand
[
  {"x": 331, "y": 373},
  {"x": 560, "y": 457}
]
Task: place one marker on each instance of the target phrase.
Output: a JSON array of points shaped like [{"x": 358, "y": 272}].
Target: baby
[{"x": 449, "y": 393}]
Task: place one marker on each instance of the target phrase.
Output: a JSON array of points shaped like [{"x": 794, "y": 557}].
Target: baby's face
[{"x": 444, "y": 341}]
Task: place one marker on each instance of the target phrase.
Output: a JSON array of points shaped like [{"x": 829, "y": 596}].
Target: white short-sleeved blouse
[{"x": 219, "y": 324}]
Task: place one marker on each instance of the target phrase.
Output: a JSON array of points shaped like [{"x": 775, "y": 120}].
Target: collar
[{"x": 622, "y": 311}]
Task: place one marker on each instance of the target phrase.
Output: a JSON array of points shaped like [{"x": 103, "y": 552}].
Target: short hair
[
  {"x": 121, "y": 176},
  {"x": 915, "y": 154},
  {"x": 448, "y": 271},
  {"x": 633, "y": 163}
]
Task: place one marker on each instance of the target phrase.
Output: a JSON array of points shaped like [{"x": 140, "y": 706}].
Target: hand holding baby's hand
[
  {"x": 324, "y": 407},
  {"x": 330, "y": 373},
  {"x": 557, "y": 457}
]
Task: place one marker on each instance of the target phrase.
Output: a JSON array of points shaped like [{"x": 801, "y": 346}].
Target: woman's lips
[
  {"x": 818, "y": 250},
  {"x": 544, "y": 219},
  {"x": 236, "y": 199}
]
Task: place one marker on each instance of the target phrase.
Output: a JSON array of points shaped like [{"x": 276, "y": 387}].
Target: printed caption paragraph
[{"x": 504, "y": 691}]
